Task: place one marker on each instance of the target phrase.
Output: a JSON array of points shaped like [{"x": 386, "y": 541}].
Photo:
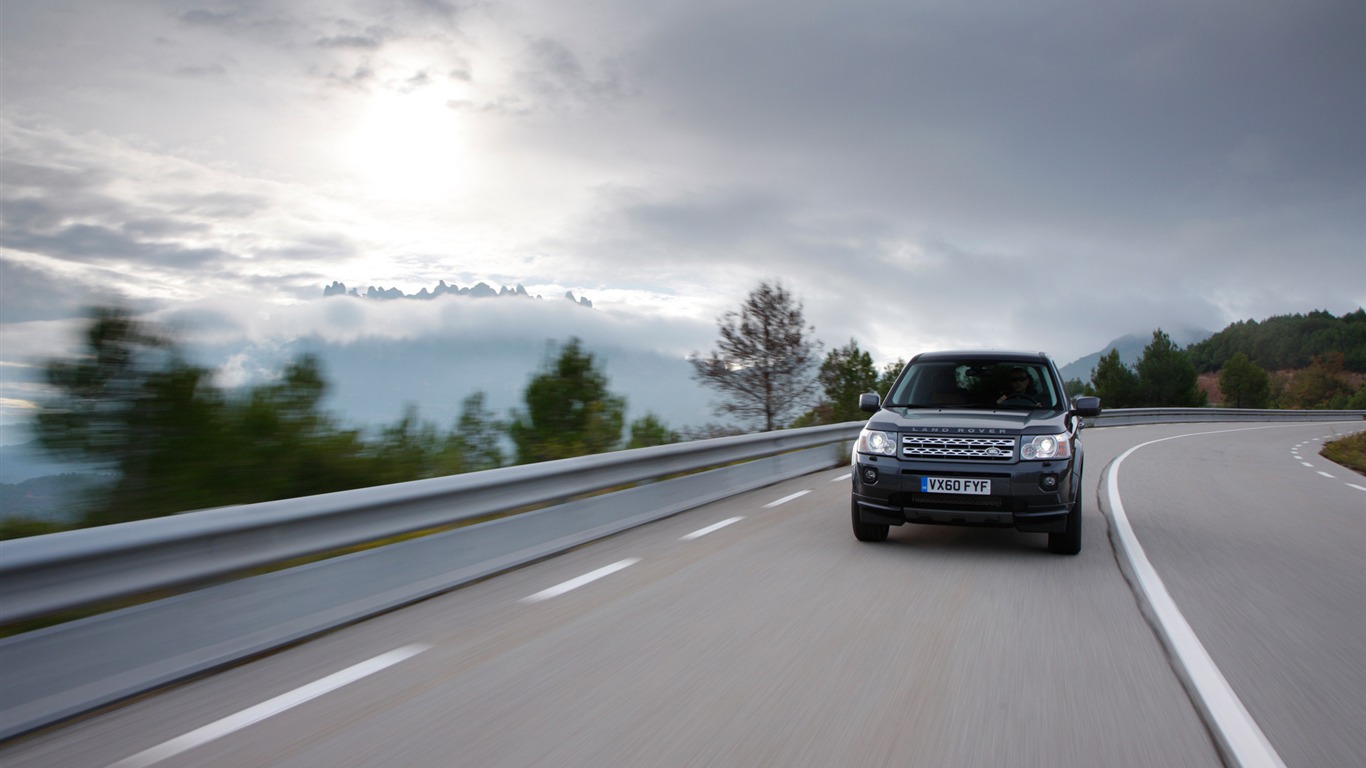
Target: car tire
[
  {"x": 1068, "y": 542},
  {"x": 866, "y": 531}
]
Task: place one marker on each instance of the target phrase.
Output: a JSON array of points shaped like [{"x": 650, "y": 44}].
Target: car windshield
[{"x": 998, "y": 384}]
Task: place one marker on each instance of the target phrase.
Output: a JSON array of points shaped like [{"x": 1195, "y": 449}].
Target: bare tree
[{"x": 762, "y": 364}]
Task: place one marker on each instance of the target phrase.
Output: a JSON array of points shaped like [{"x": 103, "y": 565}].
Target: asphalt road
[{"x": 777, "y": 639}]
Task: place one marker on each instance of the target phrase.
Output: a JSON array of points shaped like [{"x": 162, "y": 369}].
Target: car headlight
[
  {"x": 877, "y": 442},
  {"x": 1046, "y": 447}
]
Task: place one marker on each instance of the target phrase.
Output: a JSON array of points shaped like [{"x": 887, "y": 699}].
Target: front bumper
[{"x": 1030, "y": 496}]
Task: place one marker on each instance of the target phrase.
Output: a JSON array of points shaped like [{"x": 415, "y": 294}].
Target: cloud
[
  {"x": 93, "y": 244},
  {"x": 1046, "y": 175},
  {"x": 28, "y": 294},
  {"x": 344, "y": 319},
  {"x": 100, "y": 203},
  {"x": 370, "y": 41}
]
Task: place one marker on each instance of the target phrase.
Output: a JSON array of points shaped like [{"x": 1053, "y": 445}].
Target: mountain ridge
[
  {"x": 1130, "y": 346},
  {"x": 480, "y": 290}
]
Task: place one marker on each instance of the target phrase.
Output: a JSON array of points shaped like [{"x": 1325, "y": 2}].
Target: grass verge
[{"x": 1349, "y": 451}]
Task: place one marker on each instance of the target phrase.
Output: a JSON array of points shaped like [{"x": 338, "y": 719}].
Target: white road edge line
[
  {"x": 785, "y": 499},
  {"x": 1241, "y": 738},
  {"x": 714, "y": 527},
  {"x": 587, "y": 578},
  {"x": 269, "y": 708}
]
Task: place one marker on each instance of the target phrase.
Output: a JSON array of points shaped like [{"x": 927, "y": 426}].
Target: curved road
[{"x": 757, "y": 631}]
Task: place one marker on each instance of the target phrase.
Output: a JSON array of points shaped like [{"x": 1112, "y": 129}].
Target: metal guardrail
[{"x": 1119, "y": 417}]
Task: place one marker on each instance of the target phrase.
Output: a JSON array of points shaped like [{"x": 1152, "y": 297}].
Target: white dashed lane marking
[
  {"x": 269, "y": 708},
  {"x": 785, "y": 499},
  {"x": 587, "y": 578},
  {"x": 1295, "y": 453},
  {"x": 714, "y": 527}
]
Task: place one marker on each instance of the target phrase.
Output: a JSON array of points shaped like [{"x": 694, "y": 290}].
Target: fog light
[
  {"x": 1048, "y": 482},
  {"x": 869, "y": 475}
]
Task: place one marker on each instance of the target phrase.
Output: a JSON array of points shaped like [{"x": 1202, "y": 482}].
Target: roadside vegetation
[
  {"x": 166, "y": 439},
  {"x": 1348, "y": 451}
]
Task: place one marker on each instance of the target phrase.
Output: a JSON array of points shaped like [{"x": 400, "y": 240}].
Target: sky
[{"x": 920, "y": 174}]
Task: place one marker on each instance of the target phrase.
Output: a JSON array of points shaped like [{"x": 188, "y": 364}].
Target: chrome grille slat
[{"x": 993, "y": 449}]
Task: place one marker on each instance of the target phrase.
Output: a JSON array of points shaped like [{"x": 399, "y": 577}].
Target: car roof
[{"x": 1010, "y": 355}]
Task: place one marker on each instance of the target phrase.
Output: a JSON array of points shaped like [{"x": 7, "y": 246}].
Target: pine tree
[
  {"x": 569, "y": 411},
  {"x": 1244, "y": 384},
  {"x": 1114, "y": 382},
  {"x": 1167, "y": 377},
  {"x": 846, "y": 373}
]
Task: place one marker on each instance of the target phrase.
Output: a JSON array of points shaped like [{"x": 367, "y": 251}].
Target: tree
[
  {"x": 99, "y": 390},
  {"x": 1244, "y": 384},
  {"x": 284, "y": 445},
  {"x": 648, "y": 430},
  {"x": 476, "y": 442},
  {"x": 410, "y": 449},
  {"x": 1321, "y": 385},
  {"x": 1167, "y": 377},
  {"x": 569, "y": 411},
  {"x": 761, "y": 366},
  {"x": 888, "y": 377},
  {"x": 1357, "y": 402},
  {"x": 1114, "y": 382},
  {"x": 130, "y": 403},
  {"x": 846, "y": 373}
]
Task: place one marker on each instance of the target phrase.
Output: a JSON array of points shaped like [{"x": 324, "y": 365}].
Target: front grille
[{"x": 994, "y": 449}]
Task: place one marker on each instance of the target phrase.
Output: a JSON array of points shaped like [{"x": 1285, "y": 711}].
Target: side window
[{"x": 1043, "y": 386}]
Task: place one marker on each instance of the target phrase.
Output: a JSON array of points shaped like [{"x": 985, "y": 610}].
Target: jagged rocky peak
[
  {"x": 482, "y": 291},
  {"x": 338, "y": 288},
  {"x": 479, "y": 290},
  {"x": 384, "y": 293}
]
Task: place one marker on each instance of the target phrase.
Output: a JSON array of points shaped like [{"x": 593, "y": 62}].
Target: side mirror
[
  {"x": 869, "y": 402},
  {"x": 1085, "y": 406}
]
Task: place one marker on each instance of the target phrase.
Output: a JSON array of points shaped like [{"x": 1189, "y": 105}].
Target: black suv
[{"x": 973, "y": 438}]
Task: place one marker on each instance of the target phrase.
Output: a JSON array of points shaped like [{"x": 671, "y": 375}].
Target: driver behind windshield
[{"x": 1020, "y": 389}]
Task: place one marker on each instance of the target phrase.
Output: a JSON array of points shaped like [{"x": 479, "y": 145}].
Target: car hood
[{"x": 983, "y": 422}]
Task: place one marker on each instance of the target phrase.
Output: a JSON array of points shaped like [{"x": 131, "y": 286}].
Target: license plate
[{"x": 955, "y": 485}]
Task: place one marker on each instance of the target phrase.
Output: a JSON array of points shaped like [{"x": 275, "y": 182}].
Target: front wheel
[
  {"x": 1068, "y": 542},
  {"x": 866, "y": 531}
]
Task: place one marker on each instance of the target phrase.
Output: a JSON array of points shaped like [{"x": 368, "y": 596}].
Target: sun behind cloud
[{"x": 409, "y": 146}]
